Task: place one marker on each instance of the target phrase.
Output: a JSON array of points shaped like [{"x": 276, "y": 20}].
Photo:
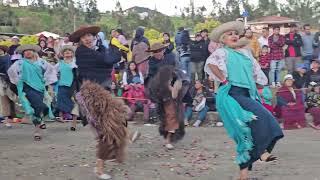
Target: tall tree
[
  {"x": 92, "y": 13},
  {"x": 307, "y": 11}
]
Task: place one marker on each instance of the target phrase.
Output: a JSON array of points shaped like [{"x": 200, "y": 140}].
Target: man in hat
[
  {"x": 293, "y": 51},
  {"x": 313, "y": 104},
  {"x": 94, "y": 62},
  {"x": 158, "y": 59},
  {"x": 32, "y": 76},
  {"x": 313, "y": 75},
  {"x": 7, "y": 97}
]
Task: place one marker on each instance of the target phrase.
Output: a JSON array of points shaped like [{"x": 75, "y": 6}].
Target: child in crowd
[
  {"x": 265, "y": 96},
  {"x": 198, "y": 105},
  {"x": 264, "y": 60},
  {"x": 66, "y": 85}
]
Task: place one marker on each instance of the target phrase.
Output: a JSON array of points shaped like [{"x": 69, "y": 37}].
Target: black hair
[
  {"x": 266, "y": 28},
  {"x": 168, "y": 34},
  {"x": 119, "y": 31},
  {"x": 306, "y": 25},
  {"x": 276, "y": 27},
  {"x": 265, "y": 46},
  {"x": 180, "y": 28},
  {"x": 205, "y": 30}
]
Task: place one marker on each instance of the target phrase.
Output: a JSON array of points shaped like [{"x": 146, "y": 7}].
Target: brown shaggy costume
[
  {"x": 169, "y": 102},
  {"x": 107, "y": 116}
]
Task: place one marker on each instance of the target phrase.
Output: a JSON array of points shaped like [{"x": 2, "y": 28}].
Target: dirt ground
[{"x": 204, "y": 154}]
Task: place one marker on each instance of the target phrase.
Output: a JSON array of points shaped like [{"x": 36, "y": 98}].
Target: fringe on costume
[{"x": 108, "y": 117}]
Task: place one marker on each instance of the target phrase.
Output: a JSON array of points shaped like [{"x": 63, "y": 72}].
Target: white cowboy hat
[{"x": 229, "y": 26}]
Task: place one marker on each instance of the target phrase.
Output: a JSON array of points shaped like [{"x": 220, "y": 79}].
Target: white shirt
[{"x": 263, "y": 41}]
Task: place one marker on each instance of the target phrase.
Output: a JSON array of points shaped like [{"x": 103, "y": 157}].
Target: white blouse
[
  {"x": 50, "y": 74},
  {"x": 219, "y": 58}
]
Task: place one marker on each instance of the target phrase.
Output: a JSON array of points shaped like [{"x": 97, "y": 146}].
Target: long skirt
[
  {"x": 36, "y": 101},
  {"x": 64, "y": 99},
  {"x": 315, "y": 112},
  {"x": 293, "y": 116},
  {"x": 265, "y": 131}
]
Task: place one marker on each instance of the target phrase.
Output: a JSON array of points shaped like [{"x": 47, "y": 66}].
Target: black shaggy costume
[{"x": 168, "y": 89}]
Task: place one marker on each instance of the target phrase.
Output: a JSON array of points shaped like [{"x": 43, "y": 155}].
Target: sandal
[
  {"x": 37, "y": 137},
  {"x": 72, "y": 129},
  {"x": 43, "y": 126},
  {"x": 270, "y": 158},
  {"x": 101, "y": 176}
]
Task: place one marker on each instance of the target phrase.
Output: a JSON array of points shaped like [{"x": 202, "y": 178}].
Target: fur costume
[
  {"x": 108, "y": 117},
  {"x": 169, "y": 99}
]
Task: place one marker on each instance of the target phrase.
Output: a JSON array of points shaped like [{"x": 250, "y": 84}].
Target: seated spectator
[
  {"x": 266, "y": 97},
  {"x": 290, "y": 105},
  {"x": 313, "y": 104},
  {"x": 264, "y": 60},
  {"x": 299, "y": 76},
  {"x": 116, "y": 90},
  {"x": 313, "y": 75},
  {"x": 198, "y": 105},
  {"x": 134, "y": 91},
  {"x": 209, "y": 86}
]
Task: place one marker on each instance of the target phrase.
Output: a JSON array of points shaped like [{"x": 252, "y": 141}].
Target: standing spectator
[
  {"x": 293, "y": 51},
  {"x": 276, "y": 43},
  {"x": 121, "y": 37},
  {"x": 15, "y": 43},
  {"x": 263, "y": 40},
  {"x": 185, "y": 53},
  {"x": 12, "y": 49},
  {"x": 316, "y": 44},
  {"x": 313, "y": 75},
  {"x": 139, "y": 37},
  {"x": 254, "y": 44},
  {"x": 7, "y": 97},
  {"x": 213, "y": 46},
  {"x": 307, "y": 47},
  {"x": 204, "y": 35},
  {"x": 299, "y": 76},
  {"x": 199, "y": 53},
  {"x": 168, "y": 43},
  {"x": 178, "y": 37},
  {"x": 264, "y": 60},
  {"x": 139, "y": 46},
  {"x": 50, "y": 42}
]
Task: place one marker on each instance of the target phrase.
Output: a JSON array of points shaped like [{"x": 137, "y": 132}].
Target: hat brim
[
  {"x": 157, "y": 49},
  {"x": 75, "y": 37},
  {"x": 229, "y": 26},
  {"x": 4, "y": 48},
  {"x": 26, "y": 47}
]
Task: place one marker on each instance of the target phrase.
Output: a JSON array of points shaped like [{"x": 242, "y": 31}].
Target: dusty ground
[{"x": 205, "y": 154}]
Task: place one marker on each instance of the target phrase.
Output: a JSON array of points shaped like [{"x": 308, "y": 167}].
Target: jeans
[
  {"x": 185, "y": 65},
  {"x": 276, "y": 67},
  {"x": 201, "y": 114},
  {"x": 307, "y": 61},
  {"x": 291, "y": 63},
  {"x": 197, "y": 68}
]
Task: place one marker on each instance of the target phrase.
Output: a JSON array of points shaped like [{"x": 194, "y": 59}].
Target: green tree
[
  {"x": 307, "y": 11},
  {"x": 209, "y": 24},
  {"x": 92, "y": 13}
]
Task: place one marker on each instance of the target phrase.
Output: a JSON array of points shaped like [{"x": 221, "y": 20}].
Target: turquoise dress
[
  {"x": 32, "y": 91},
  {"x": 253, "y": 128},
  {"x": 65, "y": 91}
]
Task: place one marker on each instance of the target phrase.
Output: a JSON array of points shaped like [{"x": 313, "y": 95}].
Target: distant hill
[{"x": 141, "y": 10}]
